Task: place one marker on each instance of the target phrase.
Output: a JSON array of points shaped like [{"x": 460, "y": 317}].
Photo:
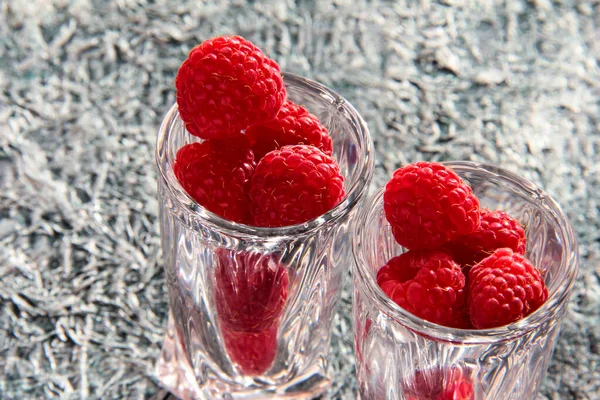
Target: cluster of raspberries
[
  {"x": 465, "y": 266},
  {"x": 263, "y": 160}
]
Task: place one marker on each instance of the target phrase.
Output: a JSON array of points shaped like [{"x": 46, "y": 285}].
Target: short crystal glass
[
  {"x": 251, "y": 308},
  {"x": 401, "y": 356}
]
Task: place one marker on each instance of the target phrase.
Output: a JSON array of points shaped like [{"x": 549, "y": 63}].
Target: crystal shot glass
[
  {"x": 401, "y": 356},
  {"x": 251, "y": 308}
]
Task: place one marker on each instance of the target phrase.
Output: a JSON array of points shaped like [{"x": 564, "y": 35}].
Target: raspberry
[
  {"x": 216, "y": 173},
  {"x": 293, "y": 185},
  {"x": 427, "y": 205},
  {"x": 225, "y": 85},
  {"x": 426, "y": 283},
  {"x": 293, "y": 125},
  {"x": 250, "y": 290},
  {"x": 437, "y": 384},
  {"x": 504, "y": 288},
  {"x": 253, "y": 352},
  {"x": 250, "y": 293},
  {"x": 497, "y": 230}
]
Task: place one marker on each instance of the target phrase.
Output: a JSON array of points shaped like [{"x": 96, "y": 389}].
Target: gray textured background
[{"x": 84, "y": 85}]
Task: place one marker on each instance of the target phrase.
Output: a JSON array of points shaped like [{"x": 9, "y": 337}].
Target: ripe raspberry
[
  {"x": 225, "y": 85},
  {"x": 497, "y": 230},
  {"x": 293, "y": 185},
  {"x": 426, "y": 283},
  {"x": 293, "y": 125},
  {"x": 436, "y": 384},
  {"x": 427, "y": 205},
  {"x": 250, "y": 290},
  {"x": 216, "y": 173},
  {"x": 504, "y": 288},
  {"x": 253, "y": 352}
]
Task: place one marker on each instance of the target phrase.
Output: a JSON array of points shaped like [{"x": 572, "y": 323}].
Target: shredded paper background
[{"x": 84, "y": 85}]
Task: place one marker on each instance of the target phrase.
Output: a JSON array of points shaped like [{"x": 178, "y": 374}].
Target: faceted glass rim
[
  {"x": 210, "y": 219},
  {"x": 568, "y": 269}
]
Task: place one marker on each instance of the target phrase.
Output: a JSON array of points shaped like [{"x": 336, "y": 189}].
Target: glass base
[{"x": 176, "y": 375}]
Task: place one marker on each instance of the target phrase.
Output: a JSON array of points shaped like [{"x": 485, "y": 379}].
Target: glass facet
[
  {"x": 400, "y": 356},
  {"x": 251, "y": 308}
]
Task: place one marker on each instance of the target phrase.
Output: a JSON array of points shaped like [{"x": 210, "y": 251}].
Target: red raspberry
[
  {"x": 250, "y": 292},
  {"x": 293, "y": 125},
  {"x": 426, "y": 283},
  {"x": 225, "y": 85},
  {"x": 497, "y": 230},
  {"x": 253, "y": 352},
  {"x": 435, "y": 384},
  {"x": 504, "y": 288},
  {"x": 293, "y": 185},
  {"x": 216, "y": 173},
  {"x": 427, "y": 205}
]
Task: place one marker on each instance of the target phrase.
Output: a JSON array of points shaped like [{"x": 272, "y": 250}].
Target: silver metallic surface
[{"x": 84, "y": 85}]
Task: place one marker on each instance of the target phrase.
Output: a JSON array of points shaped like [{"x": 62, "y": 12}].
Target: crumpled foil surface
[{"x": 84, "y": 85}]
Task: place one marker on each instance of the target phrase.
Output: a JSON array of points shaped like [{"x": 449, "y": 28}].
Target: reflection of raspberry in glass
[
  {"x": 440, "y": 384},
  {"x": 253, "y": 352},
  {"x": 250, "y": 293}
]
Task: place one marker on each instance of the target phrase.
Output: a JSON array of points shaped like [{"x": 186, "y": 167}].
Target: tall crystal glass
[
  {"x": 251, "y": 308},
  {"x": 401, "y": 356}
]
